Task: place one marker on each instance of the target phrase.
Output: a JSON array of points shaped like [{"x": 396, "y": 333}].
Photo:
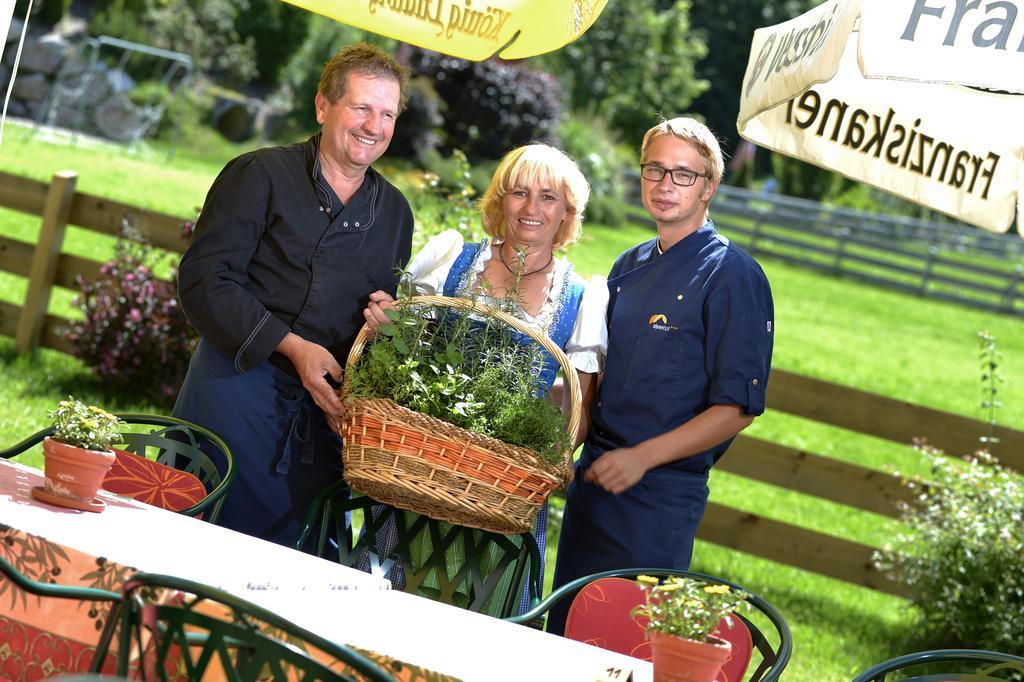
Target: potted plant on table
[
  {"x": 78, "y": 455},
  {"x": 682, "y": 613}
]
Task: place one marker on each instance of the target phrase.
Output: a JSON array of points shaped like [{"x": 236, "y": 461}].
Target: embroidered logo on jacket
[{"x": 660, "y": 322}]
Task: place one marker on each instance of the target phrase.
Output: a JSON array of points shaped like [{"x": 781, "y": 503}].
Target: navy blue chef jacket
[{"x": 687, "y": 329}]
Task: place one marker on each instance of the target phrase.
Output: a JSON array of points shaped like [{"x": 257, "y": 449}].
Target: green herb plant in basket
[{"x": 446, "y": 417}]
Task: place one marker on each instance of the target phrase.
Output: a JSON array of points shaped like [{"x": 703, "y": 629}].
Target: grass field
[{"x": 911, "y": 349}]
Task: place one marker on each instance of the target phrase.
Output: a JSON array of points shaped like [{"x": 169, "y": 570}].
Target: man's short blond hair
[
  {"x": 697, "y": 134},
  {"x": 363, "y": 59},
  {"x": 525, "y": 166}
]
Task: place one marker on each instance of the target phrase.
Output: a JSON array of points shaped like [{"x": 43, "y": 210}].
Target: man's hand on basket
[
  {"x": 313, "y": 362},
  {"x": 374, "y": 311}
]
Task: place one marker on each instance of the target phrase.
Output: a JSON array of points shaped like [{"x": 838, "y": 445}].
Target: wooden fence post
[
  {"x": 1011, "y": 291},
  {"x": 44, "y": 260},
  {"x": 933, "y": 253},
  {"x": 837, "y": 264},
  {"x": 756, "y": 236}
]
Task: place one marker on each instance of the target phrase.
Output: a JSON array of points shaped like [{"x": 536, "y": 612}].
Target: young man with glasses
[{"x": 690, "y": 319}]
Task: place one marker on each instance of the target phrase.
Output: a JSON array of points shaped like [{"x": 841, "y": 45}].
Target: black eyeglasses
[{"x": 680, "y": 176}]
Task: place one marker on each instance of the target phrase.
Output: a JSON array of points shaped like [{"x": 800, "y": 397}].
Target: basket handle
[{"x": 469, "y": 306}]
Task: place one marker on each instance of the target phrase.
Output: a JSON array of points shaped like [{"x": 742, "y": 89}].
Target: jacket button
[{"x": 754, "y": 381}]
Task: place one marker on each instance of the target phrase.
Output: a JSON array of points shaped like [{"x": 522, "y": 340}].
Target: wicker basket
[{"x": 412, "y": 461}]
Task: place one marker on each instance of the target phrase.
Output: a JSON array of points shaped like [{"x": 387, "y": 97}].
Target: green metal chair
[
  {"x": 947, "y": 665},
  {"x": 175, "y": 443},
  {"x": 198, "y": 630},
  {"x": 774, "y": 657},
  {"x": 72, "y": 592},
  {"x": 489, "y": 578}
]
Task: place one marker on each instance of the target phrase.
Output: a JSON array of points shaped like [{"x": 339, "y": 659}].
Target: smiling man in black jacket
[{"x": 288, "y": 247}]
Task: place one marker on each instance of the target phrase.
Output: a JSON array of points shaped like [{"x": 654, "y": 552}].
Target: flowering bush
[
  {"x": 962, "y": 552},
  {"x": 685, "y": 607},
  {"x": 84, "y": 426},
  {"x": 134, "y": 334}
]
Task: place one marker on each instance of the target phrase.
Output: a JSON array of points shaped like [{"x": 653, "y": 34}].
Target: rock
[
  {"x": 31, "y": 87},
  {"x": 234, "y": 117},
  {"x": 120, "y": 82},
  {"x": 119, "y": 119},
  {"x": 74, "y": 65},
  {"x": 44, "y": 55},
  {"x": 18, "y": 109},
  {"x": 14, "y": 32}
]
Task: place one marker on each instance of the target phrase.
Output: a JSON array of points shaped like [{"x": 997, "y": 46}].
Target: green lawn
[{"x": 912, "y": 349}]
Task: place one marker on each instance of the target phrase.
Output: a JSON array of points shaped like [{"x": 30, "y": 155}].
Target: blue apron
[
  {"x": 284, "y": 451},
  {"x": 655, "y": 380}
]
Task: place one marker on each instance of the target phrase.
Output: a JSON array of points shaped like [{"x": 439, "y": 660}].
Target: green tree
[
  {"x": 277, "y": 30},
  {"x": 634, "y": 63},
  {"x": 301, "y": 75},
  {"x": 727, "y": 26},
  {"x": 799, "y": 179},
  {"x": 203, "y": 29}
]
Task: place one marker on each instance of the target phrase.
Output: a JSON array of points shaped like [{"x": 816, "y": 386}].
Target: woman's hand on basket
[{"x": 374, "y": 312}]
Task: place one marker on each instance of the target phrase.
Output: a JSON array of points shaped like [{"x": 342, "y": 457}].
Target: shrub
[
  {"x": 301, "y": 75},
  {"x": 418, "y": 130},
  {"x": 133, "y": 335},
  {"x": 603, "y": 162},
  {"x": 962, "y": 552},
  {"x": 277, "y": 30},
  {"x": 491, "y": 106},
  {"x": 445, "y": 198},
  {"x": 202, "y": 29},
  {"x": 800, "y": 179},
  {"x": 636, "y": 61}
]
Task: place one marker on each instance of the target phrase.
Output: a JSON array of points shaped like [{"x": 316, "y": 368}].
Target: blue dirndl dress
[{"x": 460, "y": 280}]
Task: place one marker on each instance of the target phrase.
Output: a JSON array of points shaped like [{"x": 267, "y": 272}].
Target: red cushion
[
  {"x": 601, "y": 615},
  {"x": 153, "y": 483},
  {"x": 742, "y": 649}
]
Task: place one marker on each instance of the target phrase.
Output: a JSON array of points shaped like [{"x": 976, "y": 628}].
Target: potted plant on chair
[
  {"x": 682, "y": 613},
  {"x": 77, "y": 455}
]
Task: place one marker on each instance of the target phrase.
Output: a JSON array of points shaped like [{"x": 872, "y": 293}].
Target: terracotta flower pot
[
  {"x": 72, "y": 472},
  {"x": 676, "y": 659}
]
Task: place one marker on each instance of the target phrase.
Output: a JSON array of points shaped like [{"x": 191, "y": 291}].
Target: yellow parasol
[
  {"x": 470, "y": 29},
  {"x": 917, "y": 97}
]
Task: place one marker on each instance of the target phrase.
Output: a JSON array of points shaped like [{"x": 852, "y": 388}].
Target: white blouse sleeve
[
  {"x": 430, "y": 267},
  {"x": 588, "y": 345}
]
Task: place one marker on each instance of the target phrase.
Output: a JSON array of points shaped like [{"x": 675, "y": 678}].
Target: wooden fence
[
  {"x": 797, "y": 470},
  {"x": 949, "y": 262}
]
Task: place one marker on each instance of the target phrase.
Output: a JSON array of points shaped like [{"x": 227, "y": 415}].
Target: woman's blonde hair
[{"x": 525, "y": 166}]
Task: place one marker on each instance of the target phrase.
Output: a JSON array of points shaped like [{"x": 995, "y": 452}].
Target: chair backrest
[
  {"x": 173, "y": 625},
  {"x": 773, "y": 657},
  {"x": 170, "y": 442},
  {"x": 601, "y": 614},
  {"x": 73, "y": 592},
  {"x": 465, "y": 567},
  {"x": 947, "y": 665}
]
